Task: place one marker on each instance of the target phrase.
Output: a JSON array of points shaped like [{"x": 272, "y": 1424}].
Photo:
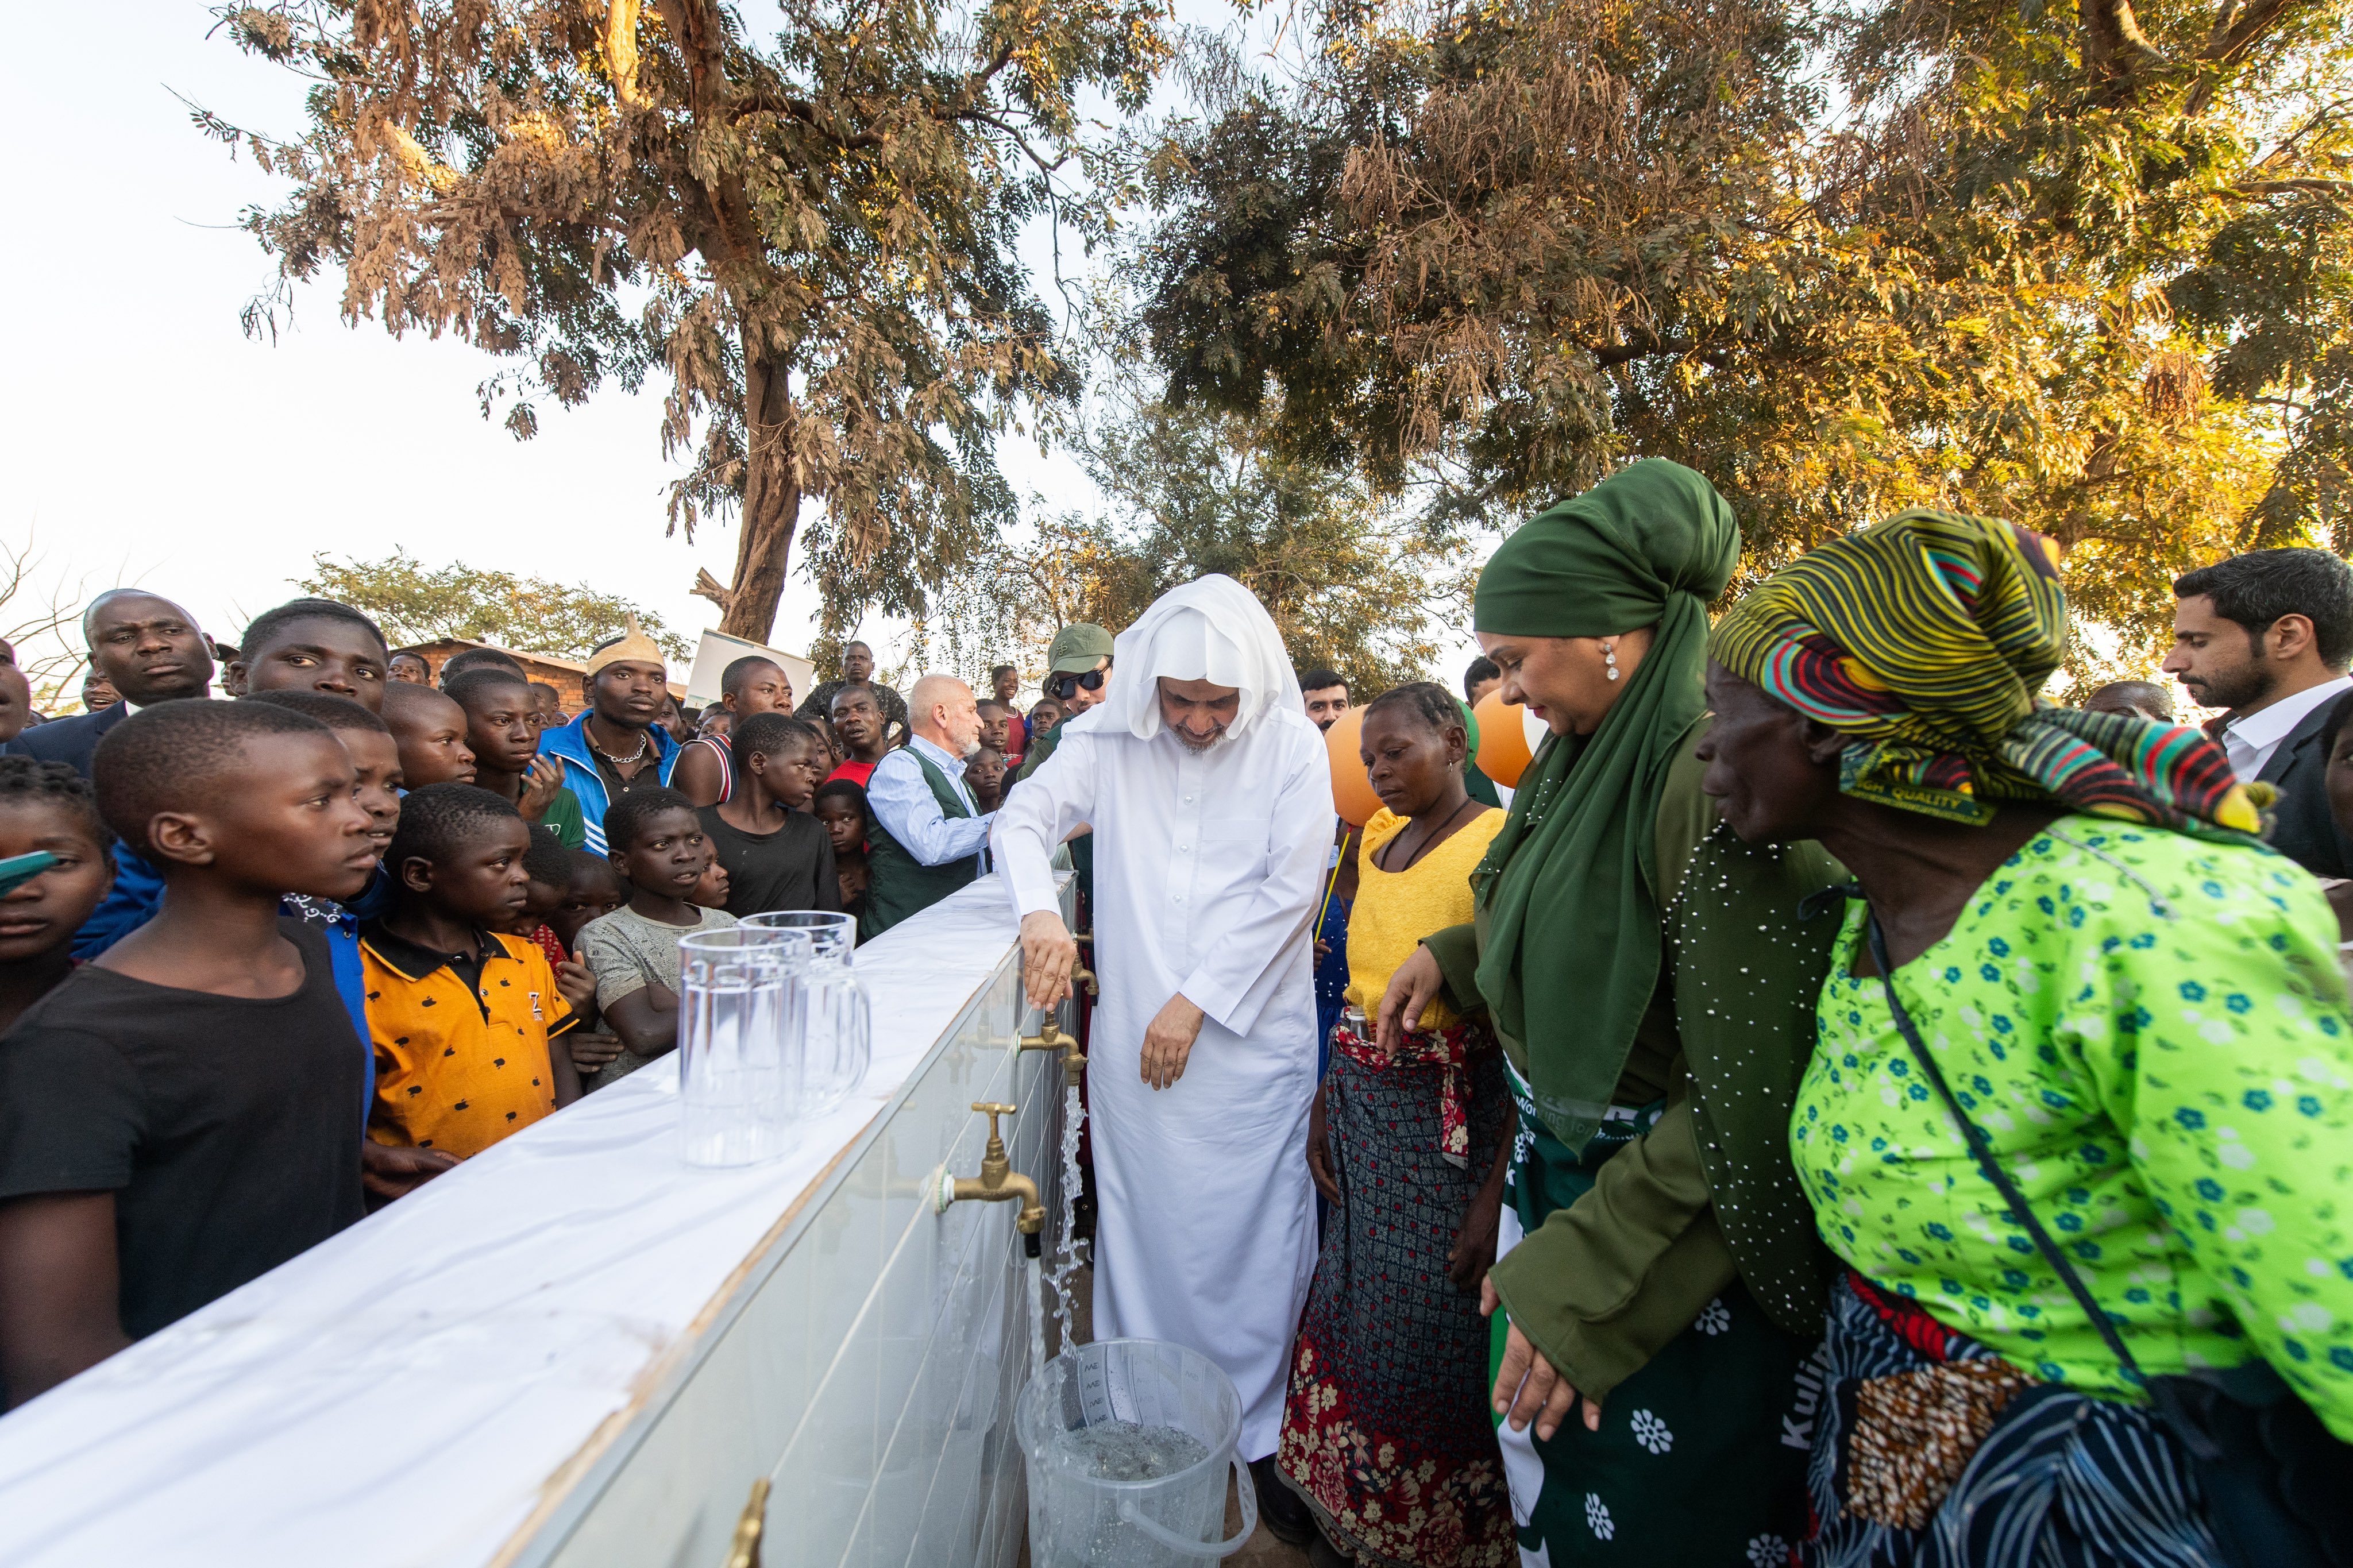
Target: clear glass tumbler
[
  {"x": 837, "y": 1037},
  {"x": 740, "y": 1082}
]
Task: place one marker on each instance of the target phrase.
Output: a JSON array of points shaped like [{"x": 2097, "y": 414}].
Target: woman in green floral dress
[{"x": 2136, "y": 1001}]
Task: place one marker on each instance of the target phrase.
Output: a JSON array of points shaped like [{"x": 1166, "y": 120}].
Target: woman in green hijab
[{"x": 1653, "y": 989}]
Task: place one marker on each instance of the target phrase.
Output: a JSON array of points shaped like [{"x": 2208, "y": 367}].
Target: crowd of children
[{"x": 297, "y": 925}]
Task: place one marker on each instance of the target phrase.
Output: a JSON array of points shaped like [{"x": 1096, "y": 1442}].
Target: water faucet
[
  {"x": 1051, "y": 1039},
  {"x": 1000, "y": 1182},
  {"x": 744, "y": 1552}
]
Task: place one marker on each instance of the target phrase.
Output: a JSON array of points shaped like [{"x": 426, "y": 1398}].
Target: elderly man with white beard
[{"x": 1211, "y": 798}]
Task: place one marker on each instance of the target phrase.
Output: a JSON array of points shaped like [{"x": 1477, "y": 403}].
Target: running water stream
[
  {"x": 1066, "y": 1245},
  {"x": 1031, "y": 1271},
  {"x": 1044, "y": 1275}
]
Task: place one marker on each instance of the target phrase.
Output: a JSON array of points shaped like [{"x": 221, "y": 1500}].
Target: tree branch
[
  {"x": 2316, "y": 187},
  {"x": 2236, "y": 30},
  {"x": 700, "y": 34},
  {"x": 621, "y": 52},
  {"x": 1019, "y": 141},
  {"x": 971, "y": 90},
  {"x": 2114, "y": 48},
  {"x": 1610, "y": 356},
  {"x": 760, "y": 100}
]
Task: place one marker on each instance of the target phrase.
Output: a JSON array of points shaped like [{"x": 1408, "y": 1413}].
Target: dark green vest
[{"x": 898, "y": 886}]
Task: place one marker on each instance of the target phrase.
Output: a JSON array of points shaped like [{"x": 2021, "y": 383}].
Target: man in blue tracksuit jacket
[{"x": 619, "y": 744}]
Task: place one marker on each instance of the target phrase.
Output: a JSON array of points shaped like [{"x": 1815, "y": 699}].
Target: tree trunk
[
  {"x": 772, "y": 502},
  {"x": 731, "y": 244}
]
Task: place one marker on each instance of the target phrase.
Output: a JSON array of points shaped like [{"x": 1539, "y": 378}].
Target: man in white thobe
[{"x": 1211, "y": 798}]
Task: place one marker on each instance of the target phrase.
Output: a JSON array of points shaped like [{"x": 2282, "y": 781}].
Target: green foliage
[
  {"x": 2070, "y": 265},
  {"x": 810, "y": 236},
  {"x": 1350, "y": 582},
  {"x": 529, "y": 614}
]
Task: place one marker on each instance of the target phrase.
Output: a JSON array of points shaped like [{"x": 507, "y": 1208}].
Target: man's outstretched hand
[{"x": 1048, "y": 955}]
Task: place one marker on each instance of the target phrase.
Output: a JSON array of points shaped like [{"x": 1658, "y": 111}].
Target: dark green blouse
[{"x": 1709, "y": 1194}]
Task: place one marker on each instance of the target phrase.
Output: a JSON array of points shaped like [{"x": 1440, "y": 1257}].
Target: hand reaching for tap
[{"x": 1049, "y": 955}]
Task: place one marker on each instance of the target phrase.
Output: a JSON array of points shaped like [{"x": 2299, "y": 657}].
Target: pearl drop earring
[{"x": 1611, "y": 653}]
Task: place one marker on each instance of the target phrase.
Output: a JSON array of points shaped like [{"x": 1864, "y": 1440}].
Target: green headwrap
[{"x": 1572, "y": 947}]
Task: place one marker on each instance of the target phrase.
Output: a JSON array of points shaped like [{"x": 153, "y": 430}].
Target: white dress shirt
[
  {"x": 2251, "y": 741},
  {"x": 902, "y": 800}
]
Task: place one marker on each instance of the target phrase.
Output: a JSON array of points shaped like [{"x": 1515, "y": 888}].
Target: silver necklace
[{"x": 645, "y": 743}]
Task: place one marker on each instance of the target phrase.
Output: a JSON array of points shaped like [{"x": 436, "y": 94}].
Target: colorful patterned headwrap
[{"x": 1923, "y": 639}]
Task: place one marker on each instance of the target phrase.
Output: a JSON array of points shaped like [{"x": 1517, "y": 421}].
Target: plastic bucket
[{"x": 1131, "y": 1407}]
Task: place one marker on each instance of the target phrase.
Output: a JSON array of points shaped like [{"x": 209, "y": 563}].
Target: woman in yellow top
[{"x": 1386, "y": 1430}]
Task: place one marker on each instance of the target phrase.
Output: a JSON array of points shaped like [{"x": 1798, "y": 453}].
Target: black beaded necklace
[{"x": 1431, "y": 838}]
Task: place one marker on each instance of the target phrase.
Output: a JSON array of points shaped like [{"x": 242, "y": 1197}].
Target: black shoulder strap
[{"x": 1982, "y": 1151}]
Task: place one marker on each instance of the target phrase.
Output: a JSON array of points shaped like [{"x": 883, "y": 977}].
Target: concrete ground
[{"x": 1263, "y": 1550}]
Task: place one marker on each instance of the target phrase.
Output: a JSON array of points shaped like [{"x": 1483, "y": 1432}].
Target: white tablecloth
[{"x": 402, "y": 1393}]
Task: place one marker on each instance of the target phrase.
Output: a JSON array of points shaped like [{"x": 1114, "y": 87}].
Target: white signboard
[{"x": 718, "y": 650}]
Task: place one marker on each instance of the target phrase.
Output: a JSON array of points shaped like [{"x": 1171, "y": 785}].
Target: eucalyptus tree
[{"x": 808, "y": 235}]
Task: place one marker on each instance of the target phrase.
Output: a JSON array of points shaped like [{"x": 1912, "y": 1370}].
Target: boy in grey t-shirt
[{"x": 658, "y": 845}]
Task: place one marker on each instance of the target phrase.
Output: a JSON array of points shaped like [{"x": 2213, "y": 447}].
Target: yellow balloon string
[{"x": 1330, "y": 883}]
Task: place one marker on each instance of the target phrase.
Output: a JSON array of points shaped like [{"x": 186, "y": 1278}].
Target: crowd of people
[
  {"x": 1833, "y": 1108},
  {"x": 255, "y": 888}
]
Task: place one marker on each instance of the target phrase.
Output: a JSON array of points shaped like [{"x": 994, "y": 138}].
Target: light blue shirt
[{"x": 902, "y": 800}]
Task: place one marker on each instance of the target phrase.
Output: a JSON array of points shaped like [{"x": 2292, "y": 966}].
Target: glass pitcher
[
  {"x": 833, "y": 936},
  {"x": 739, "y": 1076},
  {"x": 835, "y": 1015}
]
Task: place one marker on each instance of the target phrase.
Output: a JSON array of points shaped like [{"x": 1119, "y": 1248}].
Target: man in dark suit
[
  {"x": 149, "y": 648},
  {"x": 2268, "y": 635}
]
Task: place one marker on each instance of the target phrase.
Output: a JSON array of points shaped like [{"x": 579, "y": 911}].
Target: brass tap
[
  {"x": 744, "y": 1552},
  {"x": 1081, "y": 976},
  {"x": 1000, "y": 1182},
  {"x": 1050, "y": 1039}
]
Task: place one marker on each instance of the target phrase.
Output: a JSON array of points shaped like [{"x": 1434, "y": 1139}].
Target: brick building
[{"x": 563, "y": 674}]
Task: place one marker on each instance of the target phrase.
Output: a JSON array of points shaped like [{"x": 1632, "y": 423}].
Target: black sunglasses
[{"x": 1062, "y": 687}]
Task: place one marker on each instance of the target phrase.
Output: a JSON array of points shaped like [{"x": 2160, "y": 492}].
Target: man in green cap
[{"x": 1078, "y": 676}]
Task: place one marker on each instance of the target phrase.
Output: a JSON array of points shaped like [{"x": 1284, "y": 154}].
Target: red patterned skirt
[{"x": 1386, "y": 1430}]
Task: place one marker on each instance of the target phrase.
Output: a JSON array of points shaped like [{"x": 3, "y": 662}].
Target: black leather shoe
[
  {"x": 1286, "y": 1512},
  {"x": 1323, "y": 1554}
]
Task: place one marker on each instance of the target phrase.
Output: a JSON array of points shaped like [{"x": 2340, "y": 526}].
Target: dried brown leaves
[{"x": 815, "y": 225}]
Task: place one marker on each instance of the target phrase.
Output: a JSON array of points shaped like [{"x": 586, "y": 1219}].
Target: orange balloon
[
  {"x": 1352, "y": 792},
  {"x": 1503, "y": 739}
]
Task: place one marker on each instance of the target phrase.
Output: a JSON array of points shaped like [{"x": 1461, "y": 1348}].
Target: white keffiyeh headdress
[{"x": 1210, "y": 629}]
